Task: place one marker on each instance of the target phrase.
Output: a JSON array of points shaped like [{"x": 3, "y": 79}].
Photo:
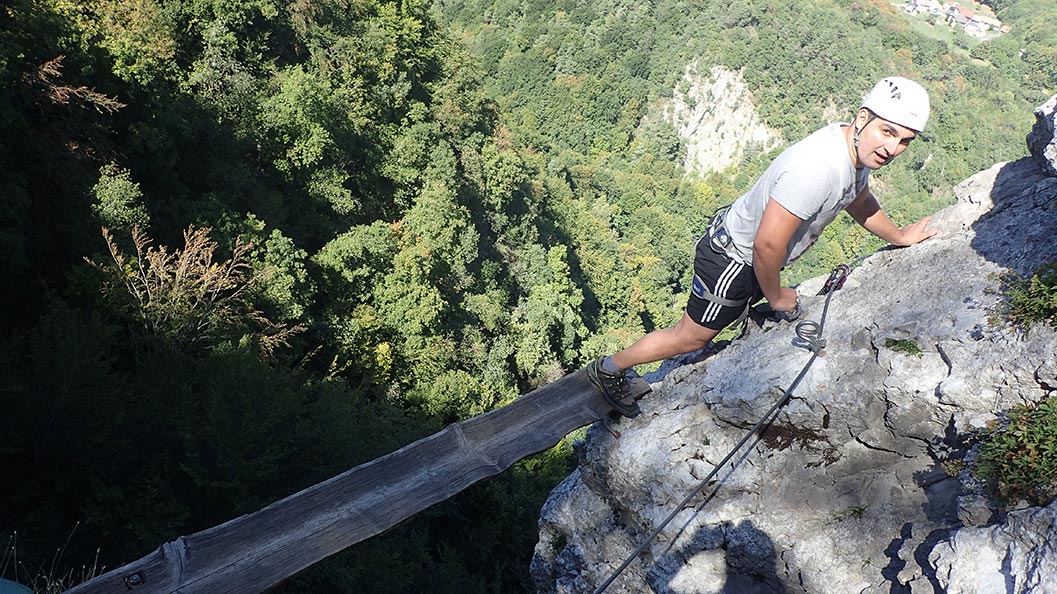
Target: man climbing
[{"x": 748, "y": 243}]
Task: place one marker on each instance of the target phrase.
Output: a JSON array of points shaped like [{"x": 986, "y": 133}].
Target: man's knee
[{"x": 694, "y": 335}]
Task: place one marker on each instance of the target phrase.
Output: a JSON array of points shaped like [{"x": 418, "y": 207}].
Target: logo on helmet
[
  {"x": 901, "y": 101},
  {"x": 893, "y": 90}
]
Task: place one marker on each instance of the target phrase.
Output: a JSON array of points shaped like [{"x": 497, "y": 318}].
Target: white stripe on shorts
[{"x": 731, "y": 272}]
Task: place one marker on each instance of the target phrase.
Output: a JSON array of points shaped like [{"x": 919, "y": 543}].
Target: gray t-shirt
[{"x": 814, "y": 179}]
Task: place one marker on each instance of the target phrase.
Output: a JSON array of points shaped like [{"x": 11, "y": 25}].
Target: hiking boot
[{"x": 615, "y": 387}]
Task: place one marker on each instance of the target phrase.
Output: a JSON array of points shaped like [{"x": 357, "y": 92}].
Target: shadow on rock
[
  {"x": 725, "y": 558},
  {"x": 1017, "y": 233}
]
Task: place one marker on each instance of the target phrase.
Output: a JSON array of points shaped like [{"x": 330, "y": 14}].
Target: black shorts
[{"x": 718, "y": 274}]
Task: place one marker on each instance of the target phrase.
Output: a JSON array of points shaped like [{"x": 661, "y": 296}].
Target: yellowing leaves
[{"x": 134, "y": 32}]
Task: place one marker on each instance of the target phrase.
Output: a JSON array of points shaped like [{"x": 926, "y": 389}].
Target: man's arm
[
  {"x": 867, "y": 212},
  {"x": 769, "y": 251}
]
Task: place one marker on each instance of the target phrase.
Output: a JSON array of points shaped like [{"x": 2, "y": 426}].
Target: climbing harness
[
  {"x": 700, "y": 289},
  {"x": 717, "y": 231},
  {"x": 721, "y": 243},
  {"x": 809, "y": 335}
]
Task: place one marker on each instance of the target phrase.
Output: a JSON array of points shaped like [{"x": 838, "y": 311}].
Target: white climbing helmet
[{"x": 901, "y": 101}]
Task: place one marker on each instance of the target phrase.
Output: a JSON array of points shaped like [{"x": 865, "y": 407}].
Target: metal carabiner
[{"x": 836, "y": 279}]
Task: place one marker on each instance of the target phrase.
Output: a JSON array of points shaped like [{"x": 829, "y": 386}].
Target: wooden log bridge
[{"x": 256, "y": 551}]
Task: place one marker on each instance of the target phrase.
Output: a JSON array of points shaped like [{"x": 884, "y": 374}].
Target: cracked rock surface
[{"x": 851, "y": 489}]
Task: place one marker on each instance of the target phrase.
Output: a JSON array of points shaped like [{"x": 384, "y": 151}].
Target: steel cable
[{"x": 808, "y": 331}]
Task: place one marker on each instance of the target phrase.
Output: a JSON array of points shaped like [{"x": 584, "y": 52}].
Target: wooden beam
[{"x": 254, "y": 552}]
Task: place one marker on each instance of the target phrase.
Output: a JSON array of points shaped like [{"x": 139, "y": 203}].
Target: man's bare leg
[{"x": 685, "y": 337}]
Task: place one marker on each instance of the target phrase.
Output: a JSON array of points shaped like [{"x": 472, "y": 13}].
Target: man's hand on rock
[
  {"x": 787, "y": 301},
  {"x": 916, "y": 232}
]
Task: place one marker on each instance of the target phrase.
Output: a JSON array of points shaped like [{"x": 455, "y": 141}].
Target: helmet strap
[{"x": 855, "y": 138}]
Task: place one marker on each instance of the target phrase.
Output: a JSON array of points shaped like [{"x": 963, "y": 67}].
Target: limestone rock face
[
  {"x": 1041, "y": 140},
  {"x": 1021, "y": 551},
  {"x": 716, "y": 117},
  {"x": 858, "y": 486}
]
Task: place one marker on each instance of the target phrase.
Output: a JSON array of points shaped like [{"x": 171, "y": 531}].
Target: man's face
[{"x": 880, "y": 140}]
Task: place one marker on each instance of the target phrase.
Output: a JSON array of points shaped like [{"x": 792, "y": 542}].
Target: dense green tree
[
  {"x": 119, "y": 201},
  {"x": 1029, "y": 50}
]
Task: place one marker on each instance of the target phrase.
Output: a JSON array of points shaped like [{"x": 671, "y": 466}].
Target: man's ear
[{"x": 861, "y": 119}]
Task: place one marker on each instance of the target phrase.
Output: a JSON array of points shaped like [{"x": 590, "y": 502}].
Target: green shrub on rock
[{"x": 1020, "y": 459}]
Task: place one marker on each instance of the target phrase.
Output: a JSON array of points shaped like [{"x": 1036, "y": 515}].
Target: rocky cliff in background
[
  {"x": 859, "y": 486},
  {"x": 1041, "y": 141},
  {"x": 715, "y": 116}
]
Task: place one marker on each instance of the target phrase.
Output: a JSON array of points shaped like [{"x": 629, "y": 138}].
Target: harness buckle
[{"x": 718, "y": 238}]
